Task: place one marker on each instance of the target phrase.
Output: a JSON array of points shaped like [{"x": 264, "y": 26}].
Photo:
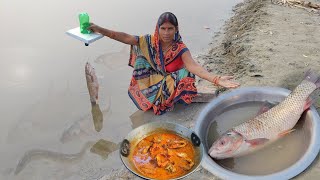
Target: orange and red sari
[{"x": 159, "y": 81}]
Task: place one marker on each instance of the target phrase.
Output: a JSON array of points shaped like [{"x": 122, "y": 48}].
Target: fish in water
[
  {"x": 95, "y": 147},
  {"x": 268, "y": 126},
  {"x": 83, "y": 127},
  {"x": 92, "y": 83},
  {"x": 36, "y": 154}
]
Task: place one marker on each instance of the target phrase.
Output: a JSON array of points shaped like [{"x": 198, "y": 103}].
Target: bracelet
[{"x": 216, "y": 80}]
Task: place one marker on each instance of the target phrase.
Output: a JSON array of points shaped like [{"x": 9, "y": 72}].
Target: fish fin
[
  {"x": 256, "y": 142},
  {"x": 312, "y": 77},
  {"x": 286, "y": 132},
  {"x": 307, "y": 104},
  {"x": 266, "y": 106}
]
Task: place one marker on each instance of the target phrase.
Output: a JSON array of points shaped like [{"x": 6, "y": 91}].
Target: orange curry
[{"x": 163, "y": 156}]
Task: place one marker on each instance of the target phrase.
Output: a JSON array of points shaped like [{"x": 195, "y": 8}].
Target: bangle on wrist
[{"x": 216, "y": 80}]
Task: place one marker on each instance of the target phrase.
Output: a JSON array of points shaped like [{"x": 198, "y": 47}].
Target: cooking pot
[
  {"x": 139, "y": 133},
  {"x": 310, "y": 121}
]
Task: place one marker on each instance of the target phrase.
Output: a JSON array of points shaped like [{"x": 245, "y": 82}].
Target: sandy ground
[
  {"x": 266, "y": 44},
  {"x": 263, "y": 44}
]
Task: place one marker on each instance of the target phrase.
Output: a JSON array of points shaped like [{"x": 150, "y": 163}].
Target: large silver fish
[{"x": 268, "y": 126}]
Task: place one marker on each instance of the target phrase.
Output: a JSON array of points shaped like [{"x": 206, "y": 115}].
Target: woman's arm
[
  {"x": 195, "y": 68},
  {"x": 119, "y": 36}
]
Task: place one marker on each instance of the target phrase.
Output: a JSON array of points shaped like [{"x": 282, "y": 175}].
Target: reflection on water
[
  {"x": 86, "y": 127},
  {"x": 97, "y": 117},
  {"x": 270, "y": 159}
]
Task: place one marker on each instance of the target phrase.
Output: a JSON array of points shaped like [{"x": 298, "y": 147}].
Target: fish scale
[{"x": 280, "y": 118}]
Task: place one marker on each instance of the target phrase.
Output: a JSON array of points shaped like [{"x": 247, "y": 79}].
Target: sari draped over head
[{"x": 152, "y": 86}]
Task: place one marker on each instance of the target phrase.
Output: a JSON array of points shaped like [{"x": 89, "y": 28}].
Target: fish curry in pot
[{"x": 163, "y": 155}]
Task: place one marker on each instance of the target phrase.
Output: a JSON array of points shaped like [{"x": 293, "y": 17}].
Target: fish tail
[{"x": 313, "y": 77}]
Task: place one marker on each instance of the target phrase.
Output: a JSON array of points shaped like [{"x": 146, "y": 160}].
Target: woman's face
[{"x": 166, "y": 32}]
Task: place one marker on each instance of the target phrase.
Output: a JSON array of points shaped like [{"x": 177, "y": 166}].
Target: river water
[{"x": 47, "y": 127}]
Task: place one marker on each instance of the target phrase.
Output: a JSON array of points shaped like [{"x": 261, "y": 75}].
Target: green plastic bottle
[{"x": 84, "y": 23}]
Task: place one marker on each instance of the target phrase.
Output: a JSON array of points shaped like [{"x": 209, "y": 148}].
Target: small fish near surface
[
  {"x": 93, "y": 88},
  {"x": 92, "y": 83},
  {"x": 84, "y": 126},
  {"x": 269, "y": 125}
]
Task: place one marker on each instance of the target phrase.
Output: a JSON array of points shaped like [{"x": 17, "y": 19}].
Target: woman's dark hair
[{"x": 168, "y": 17}]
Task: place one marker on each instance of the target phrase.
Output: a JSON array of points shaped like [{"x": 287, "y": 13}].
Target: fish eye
[
  {"x": 229, "y": 134},
  {"x": 222, "y": 142}
]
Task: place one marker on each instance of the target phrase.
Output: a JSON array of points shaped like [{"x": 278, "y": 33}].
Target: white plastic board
[{"x": 86, "y": 38}]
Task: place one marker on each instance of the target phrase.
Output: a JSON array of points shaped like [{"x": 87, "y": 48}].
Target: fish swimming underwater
[
  {"x": 55, "y": 156},
  {"x": 268, "y": 126},
  {"x": 101, "y": 147}
]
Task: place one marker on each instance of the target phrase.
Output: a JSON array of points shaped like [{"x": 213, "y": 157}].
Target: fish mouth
[
  {"x": 220, "y": 155},
  {"x": 216, "y": 154}
]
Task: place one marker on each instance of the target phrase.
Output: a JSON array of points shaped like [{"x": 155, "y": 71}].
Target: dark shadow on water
[
  {"x": 103, "y": 148},
  {"x": 82, "y": 127}
]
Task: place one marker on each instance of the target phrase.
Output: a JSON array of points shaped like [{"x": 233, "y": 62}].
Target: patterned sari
[{"x": 151, "y": 85}]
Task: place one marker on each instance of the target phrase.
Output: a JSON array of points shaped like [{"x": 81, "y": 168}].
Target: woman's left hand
[{"x": 224, "y": 81}]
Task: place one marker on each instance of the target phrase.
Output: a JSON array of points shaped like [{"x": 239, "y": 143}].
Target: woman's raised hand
[
  {"x": 224, "y": 81},
  {"x": 94, "y": 28}
]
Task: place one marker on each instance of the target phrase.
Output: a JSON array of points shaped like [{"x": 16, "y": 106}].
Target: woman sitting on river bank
[{"x": 163, "y": 68}]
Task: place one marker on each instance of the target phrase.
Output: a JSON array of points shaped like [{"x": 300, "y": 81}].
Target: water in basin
[{"x": 273, "y": 158}]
